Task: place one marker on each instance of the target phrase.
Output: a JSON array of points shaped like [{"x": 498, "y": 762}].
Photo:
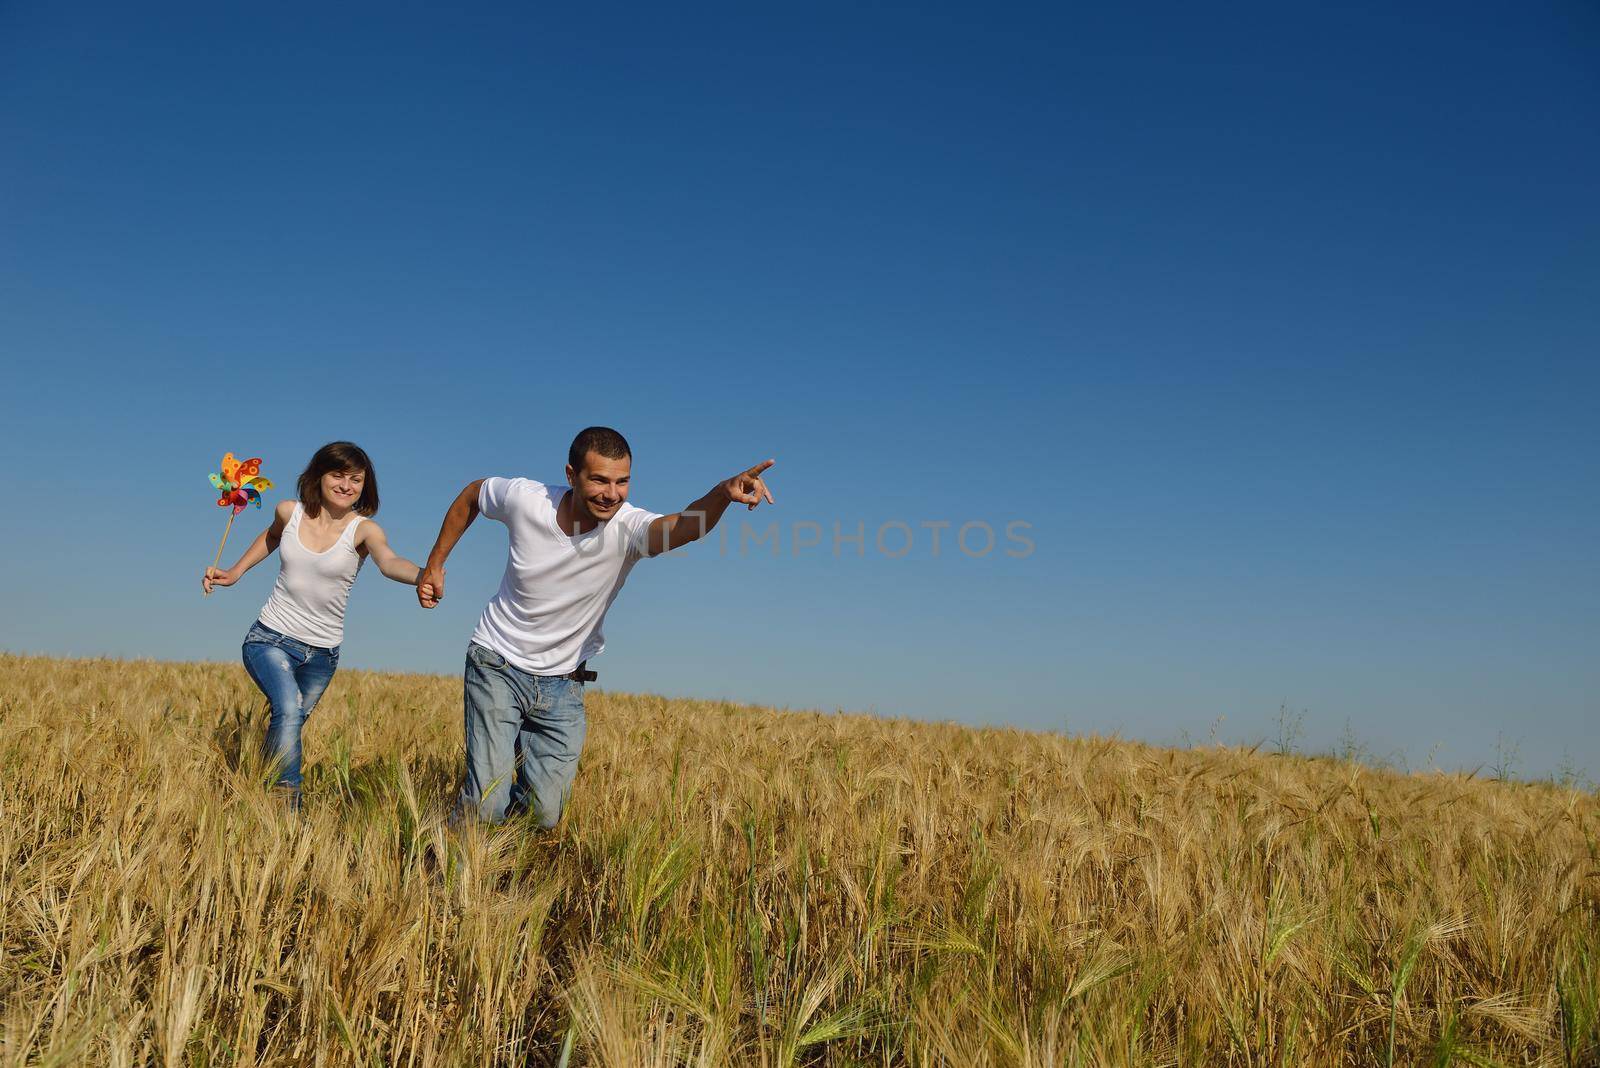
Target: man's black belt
[{"x": 580, "y": 674}]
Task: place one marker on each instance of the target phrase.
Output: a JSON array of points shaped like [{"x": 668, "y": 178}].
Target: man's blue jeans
[
  {"x": 293, "y": 675},
  {"x": 524, "y": 734}
]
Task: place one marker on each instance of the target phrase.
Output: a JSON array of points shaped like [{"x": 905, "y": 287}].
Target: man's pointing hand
[{"x": 747, "y": 487}]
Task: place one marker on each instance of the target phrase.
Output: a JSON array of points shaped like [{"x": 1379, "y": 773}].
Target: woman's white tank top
[{"x": 308, "y": 602}]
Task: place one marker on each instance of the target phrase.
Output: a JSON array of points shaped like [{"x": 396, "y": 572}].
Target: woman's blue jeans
[{"x": 293, "y": 675}]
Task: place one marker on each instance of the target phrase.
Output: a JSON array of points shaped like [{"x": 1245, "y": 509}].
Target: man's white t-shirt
[{"x": 552, "y": 602}]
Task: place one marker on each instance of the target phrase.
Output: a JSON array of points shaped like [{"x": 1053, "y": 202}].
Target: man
[{"x": 571, "y": 550}]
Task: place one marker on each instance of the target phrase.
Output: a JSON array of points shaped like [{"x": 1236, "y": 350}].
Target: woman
[{"x": 293, "y": 649}]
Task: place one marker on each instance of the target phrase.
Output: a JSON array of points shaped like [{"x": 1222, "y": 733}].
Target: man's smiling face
[{"x": 602, "y": 486}]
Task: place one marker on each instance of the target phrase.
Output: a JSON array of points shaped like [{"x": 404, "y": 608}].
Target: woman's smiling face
[{"x": 342, "y": 489}]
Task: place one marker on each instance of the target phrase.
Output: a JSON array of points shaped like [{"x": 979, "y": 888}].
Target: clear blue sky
[{"x": 1277, "y": 324}]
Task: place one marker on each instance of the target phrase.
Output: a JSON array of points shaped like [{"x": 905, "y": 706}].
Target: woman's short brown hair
[{"x": 338, "y": 456}]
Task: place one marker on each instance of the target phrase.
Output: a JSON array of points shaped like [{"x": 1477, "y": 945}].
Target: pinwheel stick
[{"x": 220, "y": 544}]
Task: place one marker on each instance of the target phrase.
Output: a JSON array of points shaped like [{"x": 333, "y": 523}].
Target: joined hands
[{"x": 430, "y": 587}]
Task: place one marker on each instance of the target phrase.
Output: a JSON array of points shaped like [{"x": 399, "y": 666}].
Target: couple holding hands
[{"x": 571, "y": 548}]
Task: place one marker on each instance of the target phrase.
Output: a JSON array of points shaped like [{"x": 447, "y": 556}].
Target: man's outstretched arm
[
  {"x": 694, "y": 522},
  {"x": 463, "y": 510}
]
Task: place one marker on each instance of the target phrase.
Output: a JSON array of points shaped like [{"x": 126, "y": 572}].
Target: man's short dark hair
[{"x": 600, "y": 439}]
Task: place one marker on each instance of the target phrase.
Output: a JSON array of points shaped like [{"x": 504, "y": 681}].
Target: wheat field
[{"x": 742, "y": 886}]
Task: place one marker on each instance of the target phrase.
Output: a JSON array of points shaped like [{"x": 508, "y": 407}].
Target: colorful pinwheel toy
[{"x": 241, "y": 484}]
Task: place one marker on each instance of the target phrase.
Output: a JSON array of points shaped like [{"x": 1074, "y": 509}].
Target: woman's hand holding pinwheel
[{"x": 241, "y": 485}]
